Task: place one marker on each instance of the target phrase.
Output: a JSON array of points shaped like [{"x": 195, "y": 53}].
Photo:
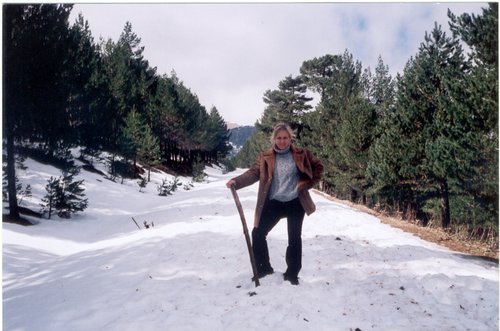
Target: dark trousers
[{"x": 272, "y": 212}]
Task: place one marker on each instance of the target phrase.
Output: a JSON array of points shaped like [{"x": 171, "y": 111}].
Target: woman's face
[{"x": 282, "y": 139}]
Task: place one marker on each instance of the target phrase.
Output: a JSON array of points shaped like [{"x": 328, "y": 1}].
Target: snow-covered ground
[{"x": 191, "y": 271}]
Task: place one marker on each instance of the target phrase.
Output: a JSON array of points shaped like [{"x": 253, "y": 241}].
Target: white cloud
[{"x": 230, "y": 54}]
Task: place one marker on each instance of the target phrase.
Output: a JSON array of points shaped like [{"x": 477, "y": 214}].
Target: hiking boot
[
  {"x": 294, "y": 280},
  {"x": 263, "y": 273}
]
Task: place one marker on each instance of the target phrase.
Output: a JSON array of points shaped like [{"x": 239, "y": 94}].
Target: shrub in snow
[
  {"x": 198, "y": 171},
  {"x": 64, "y": 195},
  {"x": 167, "y": 187},
  {"x": 21, "y": 192},
  {"x": 188, "y": 186},
  {"x": 142, "y": 182}
]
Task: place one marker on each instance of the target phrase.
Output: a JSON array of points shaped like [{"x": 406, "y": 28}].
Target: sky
[{"x": 229, "y": 54}]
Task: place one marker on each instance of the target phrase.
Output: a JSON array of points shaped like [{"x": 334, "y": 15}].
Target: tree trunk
[
  {"x": 11, "y": 177},
  {"x": 445, "y": 204},
  {"x": 135, "y": 166},
  {"x": 353, "y": 195}
]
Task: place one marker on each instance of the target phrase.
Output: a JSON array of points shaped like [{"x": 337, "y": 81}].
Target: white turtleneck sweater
[{"x": 285, "y": 176}]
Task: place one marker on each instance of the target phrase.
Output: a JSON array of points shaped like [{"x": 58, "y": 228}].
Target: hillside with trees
[
  {"x": 63, "y": 89},
  {"x": 423, "y": 145}
]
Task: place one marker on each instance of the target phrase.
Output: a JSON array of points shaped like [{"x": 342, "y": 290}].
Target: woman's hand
[{"x": 230, "y": 183}]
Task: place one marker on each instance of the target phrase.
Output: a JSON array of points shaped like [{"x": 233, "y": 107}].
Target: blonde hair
[{"x": 282, "y": 127}]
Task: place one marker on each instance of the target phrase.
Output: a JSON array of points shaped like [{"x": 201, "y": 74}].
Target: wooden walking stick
[{"x": 247, "y": 237}]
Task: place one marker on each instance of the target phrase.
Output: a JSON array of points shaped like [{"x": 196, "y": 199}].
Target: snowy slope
[{"x": 191, "y": 271}]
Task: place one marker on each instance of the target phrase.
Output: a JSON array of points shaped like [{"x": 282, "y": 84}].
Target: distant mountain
[
  {"x": 232, "y": 125},
  {"x": 239, "y": 136}
]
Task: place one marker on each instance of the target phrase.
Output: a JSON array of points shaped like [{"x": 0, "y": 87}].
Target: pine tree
[
  {"x": 479, "y": 93},
  {"x": 34, "y": 104},
  {"x": 114, "y": 73},
  {"x": 149, "y": 150},
  {"x": 427, "y": 146},
  {"x": 87, "y": 101},
  {"x": 318, "y": 72},
  {"x": 192, "y": 124},
  {"x": 51, "y": 197},
  {"x": 286, "y": 104},
  {"x": 338, "y": 79},
  {"x": 71, "y": 199},
  {"x": 356, "y": 135},
  {"x": 129, "y": 79},
  {"x": 64, "y": 195},
  {"x": 479, "y": 32},
  {"x": 217, "y": 137},
  {"x": 382, "y": 90},
  {"x": 132, "y": 136},
  {"x": 163, "y": 117},
  {"x": 44, "y": 54}
]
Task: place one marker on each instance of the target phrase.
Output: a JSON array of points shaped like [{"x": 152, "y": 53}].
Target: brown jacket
[{"x": 310, "y": 172}]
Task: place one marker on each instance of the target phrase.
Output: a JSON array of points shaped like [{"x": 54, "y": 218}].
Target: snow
[{"x": 191, "y": 271}]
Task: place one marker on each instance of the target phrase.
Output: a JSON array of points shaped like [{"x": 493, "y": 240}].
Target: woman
[{"x": 285, "y": 174}]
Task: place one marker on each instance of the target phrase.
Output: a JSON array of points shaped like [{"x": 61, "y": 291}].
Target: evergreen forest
[
  {"x": 423, "y": 144},
  {"x": 63, "y": 89}
]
